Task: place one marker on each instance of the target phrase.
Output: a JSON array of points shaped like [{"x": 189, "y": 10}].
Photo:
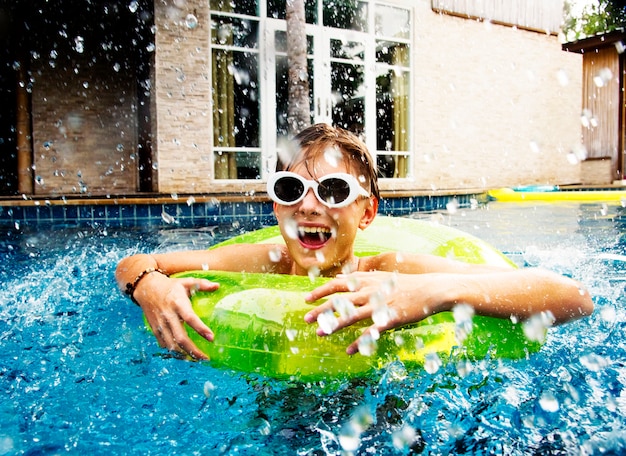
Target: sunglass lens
[
  {"x": 288, "y": 189},
  {"x": 334, "y": 190}
]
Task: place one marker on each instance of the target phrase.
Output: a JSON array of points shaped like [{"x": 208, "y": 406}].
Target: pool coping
[
  {"x": 195, "y": 210},
  {"x": 192, "y": 210}
]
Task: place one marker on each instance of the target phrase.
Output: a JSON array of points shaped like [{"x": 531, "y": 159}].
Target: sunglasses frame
[{"x": 355, "y": 188}]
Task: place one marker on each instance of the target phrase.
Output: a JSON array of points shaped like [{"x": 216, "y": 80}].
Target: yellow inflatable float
[{"x": 553, "y": 193}]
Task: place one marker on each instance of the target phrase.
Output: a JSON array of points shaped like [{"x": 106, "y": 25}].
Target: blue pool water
[{"x": 79, "y": 374}]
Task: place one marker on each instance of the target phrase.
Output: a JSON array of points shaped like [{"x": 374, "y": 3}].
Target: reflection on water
[{"x": 79, "y": 373}]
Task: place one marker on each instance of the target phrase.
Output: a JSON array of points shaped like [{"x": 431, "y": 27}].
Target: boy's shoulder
[
  {"x": 397, "y": 262},
  {"x": 255, "y": 257}
]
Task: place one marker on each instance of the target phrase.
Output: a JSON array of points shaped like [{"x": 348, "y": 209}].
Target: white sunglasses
[{"x": 332, "y": 190}]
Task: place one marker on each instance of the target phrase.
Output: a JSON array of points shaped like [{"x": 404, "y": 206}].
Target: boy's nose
[{"x": 310, "y": 200}]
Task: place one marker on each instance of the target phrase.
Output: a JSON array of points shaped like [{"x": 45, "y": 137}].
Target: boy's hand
[
  {"x": 166, "y": 305},
  {"x": 390, "y": 300}
]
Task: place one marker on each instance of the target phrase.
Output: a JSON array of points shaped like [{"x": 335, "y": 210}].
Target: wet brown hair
[{"x": 313, "y": 142}]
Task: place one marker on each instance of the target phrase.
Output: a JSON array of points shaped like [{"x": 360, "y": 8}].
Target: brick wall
[
  {"x": 183, "y": 98},
  {"x": 494, "y": 106},
  {"x": 84, "y": 129}
]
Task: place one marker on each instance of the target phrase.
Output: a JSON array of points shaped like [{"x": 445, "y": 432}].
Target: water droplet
[
  {"x": 167, "y": 218},
  {"x": 382, "y": 315},
  {"x": 548, "y": 402},
  {"x": 464, "y": 367},
  {"x": 353, "y": 283},
  {"x": 275, "y": 254},
  {"x": 327, "y": 321},
  {"x": 291, "y": 334},
  {"x": 368, "y": 342},
  {"x": 536, "y": 326},
  {"x": 343, "y": 306},
  {"x": 313, "y": 273},
  {"x": 190, "y": 201},
  {"x": 534, "y": 147},
  {"x": 587, "y": 120},
  {"x": 79, "y": 44},
  {"x": 453, "y": 206},
  {"x": 361, "y": 419},
  {"x": 604, "y": 210},
  {"x": 291, "y": 229},
  {"x": 349, "y": 441},
  {"x": 608, "y": 314},
  {"x": 593, "y": 362},
  {"x": 264, "y": 427},
  {"x": 403, "y": 438},
  {"x": 463, "y": 315},
  {"x": 562, "y": 77},
  {"x": 603, "y": 77},
  {"x": 191, "y": 21},
  {"x": 209, "y": 387},
  {"x": 432, "y": 363},
  {"x": 133, "y": 6},
  {"x": 332, "y": 156}
]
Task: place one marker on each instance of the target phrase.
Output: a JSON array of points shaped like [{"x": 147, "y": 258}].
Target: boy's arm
[
  {"x": 165, "y": 301},
  {"x": 504, "y": 293}
]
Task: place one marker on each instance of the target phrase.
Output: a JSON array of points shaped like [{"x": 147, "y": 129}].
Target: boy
[{"x": 328, "y": 191}]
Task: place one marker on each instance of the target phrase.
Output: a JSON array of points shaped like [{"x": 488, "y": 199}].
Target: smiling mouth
[{"x": 313, "y": 236}]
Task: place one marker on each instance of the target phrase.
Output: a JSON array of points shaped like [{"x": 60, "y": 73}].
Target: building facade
[{"x": 444, "y": 101}]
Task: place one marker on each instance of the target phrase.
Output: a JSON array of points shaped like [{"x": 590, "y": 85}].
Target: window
[
  {"x": 359, "y": 78},
  {"x": 236, "y": 101}
]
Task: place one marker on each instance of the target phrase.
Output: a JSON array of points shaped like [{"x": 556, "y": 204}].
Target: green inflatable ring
[{"x": 258, "y": 319}]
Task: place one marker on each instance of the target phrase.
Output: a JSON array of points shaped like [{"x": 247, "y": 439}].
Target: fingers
[
  {"x": 192, "y": 285},
  {"x": 366, "y": 343},
  {"x": 348, "y": 306},
  {"x": 338, "y": 312},
  {"x": 172, "y": 335},
  {"x": 361, "y": 297},
  {"x": 311, "y": 317},
  {"x": 181, "y": 341},
  {"x": 168, "y": 320},
  {"x": 329, "y": 323},
  {"x": 332, "y": 287}
]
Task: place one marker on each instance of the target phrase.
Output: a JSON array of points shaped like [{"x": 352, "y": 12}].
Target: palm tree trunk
[{"x": 299, "y": 110}]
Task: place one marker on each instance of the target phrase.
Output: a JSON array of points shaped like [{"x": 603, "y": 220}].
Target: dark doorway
[{"x": 54, "y": 36}]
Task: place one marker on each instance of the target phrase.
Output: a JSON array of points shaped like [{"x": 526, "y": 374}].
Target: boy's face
[{"x": 320, "y": 239}]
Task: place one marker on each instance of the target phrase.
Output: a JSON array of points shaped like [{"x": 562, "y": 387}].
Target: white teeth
[{"x": 313, "y": 229}]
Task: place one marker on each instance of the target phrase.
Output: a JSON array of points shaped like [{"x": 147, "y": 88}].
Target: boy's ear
[
  {"x": 370, "y": 213},
  {"x": 274, "y": 204}
]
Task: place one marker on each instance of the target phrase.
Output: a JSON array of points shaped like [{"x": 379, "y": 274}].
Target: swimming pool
[{"x": 80, "y": 374}]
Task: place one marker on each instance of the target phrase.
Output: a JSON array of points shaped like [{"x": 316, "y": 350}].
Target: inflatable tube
[
  {"x": 259, "y": 327},
  {"x": 554, "y": 194}
]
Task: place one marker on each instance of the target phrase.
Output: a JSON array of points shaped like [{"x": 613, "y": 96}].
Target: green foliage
[{"x": 598, "y": 18}]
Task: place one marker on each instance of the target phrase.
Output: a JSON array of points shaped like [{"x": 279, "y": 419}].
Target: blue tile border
[{"x": 183, "y": 214}]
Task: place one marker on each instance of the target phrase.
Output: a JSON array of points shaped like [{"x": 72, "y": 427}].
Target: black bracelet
[{"x": 130, "y": 287}]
